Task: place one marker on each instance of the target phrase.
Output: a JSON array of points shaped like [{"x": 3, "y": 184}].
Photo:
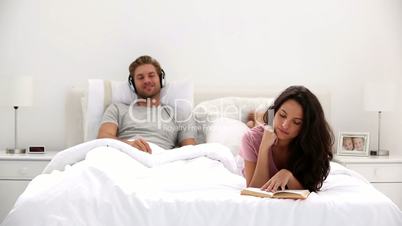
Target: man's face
[{"x": 146, "y": 81}]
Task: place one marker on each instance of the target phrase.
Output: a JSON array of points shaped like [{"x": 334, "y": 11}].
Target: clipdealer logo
[{"x": 182, "y": 112}]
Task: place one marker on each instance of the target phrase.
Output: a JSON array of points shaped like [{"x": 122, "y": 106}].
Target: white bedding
[{"x": 113, "y": 186}]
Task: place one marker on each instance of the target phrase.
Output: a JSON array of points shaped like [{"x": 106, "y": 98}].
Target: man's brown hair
[{"x": 145, "y": 60}]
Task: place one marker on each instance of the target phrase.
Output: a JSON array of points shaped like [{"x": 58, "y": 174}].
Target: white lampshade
[
  {"x": 16, "y": 91},
  {"x": 379, "y": 96}
]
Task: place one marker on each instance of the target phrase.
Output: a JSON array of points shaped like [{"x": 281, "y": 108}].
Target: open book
[{"x": 281, "y": 194}]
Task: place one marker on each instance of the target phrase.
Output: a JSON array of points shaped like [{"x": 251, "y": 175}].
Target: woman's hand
[
  {"x": 269, "y": 137},
  {"x": 255, "y": 118},
  {"x": 279, "y": 180}
]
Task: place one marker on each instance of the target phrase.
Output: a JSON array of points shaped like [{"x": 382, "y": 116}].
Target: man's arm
[
  {"x": 109, "y": 130},
  {"x": 187, "y": 132},
  {"x": 188, "y": 141}
]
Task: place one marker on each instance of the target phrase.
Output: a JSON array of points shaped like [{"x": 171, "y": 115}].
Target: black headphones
[{"x": 131, "y": 82}]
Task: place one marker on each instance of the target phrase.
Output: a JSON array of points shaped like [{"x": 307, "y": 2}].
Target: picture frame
[{"x": 353, "y": 143}]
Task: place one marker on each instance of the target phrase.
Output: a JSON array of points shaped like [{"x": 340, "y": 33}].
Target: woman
[{"x": 295, "y": 152}]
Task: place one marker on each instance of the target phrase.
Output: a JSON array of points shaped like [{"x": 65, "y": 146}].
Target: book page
[
  {"x": 285, "y": 194},
  {"x": 291, "y": 194},
  {"x": 256, "y": 192}
]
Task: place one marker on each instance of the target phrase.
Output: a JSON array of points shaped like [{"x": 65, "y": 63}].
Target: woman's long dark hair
[{"x": 311, "y": 150}]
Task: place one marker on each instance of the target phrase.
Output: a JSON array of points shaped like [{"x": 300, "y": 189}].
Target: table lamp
[
  {"x": 16, "y": 92},
  {"x": 379, "y": 97}
]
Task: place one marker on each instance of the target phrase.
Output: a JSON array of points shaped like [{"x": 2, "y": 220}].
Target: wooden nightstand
[
  {"x": 384, "y": 172},
  {"x": 16, "y": 171}
]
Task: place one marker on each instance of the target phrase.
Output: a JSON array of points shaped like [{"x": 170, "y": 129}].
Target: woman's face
[{"x": 288, "y": 120}]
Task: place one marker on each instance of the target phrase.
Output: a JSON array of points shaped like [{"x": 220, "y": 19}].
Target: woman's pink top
[{"x": 251, "y": 144}]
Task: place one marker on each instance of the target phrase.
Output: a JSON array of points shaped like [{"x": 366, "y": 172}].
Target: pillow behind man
[{"x": 101, "y": 93}]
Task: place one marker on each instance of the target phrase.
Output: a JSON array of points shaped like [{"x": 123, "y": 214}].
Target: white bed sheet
[{"x": 109, "y": 187}]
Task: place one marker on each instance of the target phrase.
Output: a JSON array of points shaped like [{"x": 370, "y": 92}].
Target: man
[{"x": 146, "y": 120}]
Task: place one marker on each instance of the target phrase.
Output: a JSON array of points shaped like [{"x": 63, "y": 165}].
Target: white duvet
[{"x": 114, "y": 184}]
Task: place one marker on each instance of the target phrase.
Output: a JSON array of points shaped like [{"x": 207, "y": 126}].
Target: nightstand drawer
[
  {"x": 19, "y": 170},
  {"x": 378, "y": 172}
]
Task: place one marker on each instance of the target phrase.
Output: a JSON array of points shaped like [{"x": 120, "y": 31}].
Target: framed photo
[{"x": 356, "y": 144}]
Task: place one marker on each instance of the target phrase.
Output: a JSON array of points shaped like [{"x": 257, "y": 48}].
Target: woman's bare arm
[{"x": 257, "y": 173}]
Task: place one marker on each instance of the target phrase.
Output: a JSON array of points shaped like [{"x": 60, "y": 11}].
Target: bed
[{"x": 105, "y": 182}]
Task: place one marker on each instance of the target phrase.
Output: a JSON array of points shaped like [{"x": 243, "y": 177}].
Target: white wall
[{"x": 334, "y": 45}]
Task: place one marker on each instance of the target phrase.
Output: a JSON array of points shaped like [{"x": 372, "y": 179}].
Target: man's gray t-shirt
[{"x": 154, "y": 124}]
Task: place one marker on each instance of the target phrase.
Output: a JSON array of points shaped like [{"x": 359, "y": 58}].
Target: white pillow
[
  {"x": 228, "y": 132},
  {"x": 205, "y": 113},
  {"x": 101, "y": 93}
]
